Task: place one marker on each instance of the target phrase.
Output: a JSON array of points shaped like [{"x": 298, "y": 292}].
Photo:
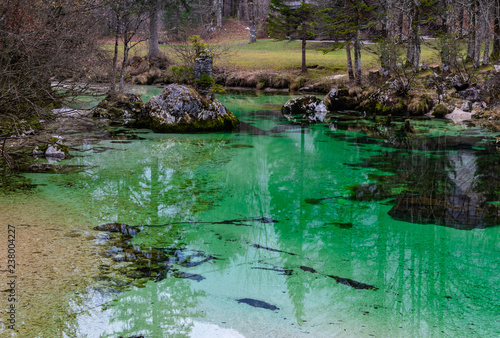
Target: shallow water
[{"x": 283, "y": 230}]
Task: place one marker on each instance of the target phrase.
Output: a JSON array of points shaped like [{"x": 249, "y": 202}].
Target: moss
[
  {"x": 440, "y": 110},
  {"x": 382, "y": 109},
  {"x": 227, "y": 122},
  {"x": 43, "y": 147},
  {"x": 10, "y": 183},
  {"x": 261, "y": 85},
  {"x": 420, "y": 105}
]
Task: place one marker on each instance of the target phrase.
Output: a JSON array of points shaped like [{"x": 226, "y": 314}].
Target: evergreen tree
[{"x": 290, "y": 19}]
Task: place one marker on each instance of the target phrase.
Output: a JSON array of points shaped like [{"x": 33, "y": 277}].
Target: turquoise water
[{"x": 338, "y": 229}]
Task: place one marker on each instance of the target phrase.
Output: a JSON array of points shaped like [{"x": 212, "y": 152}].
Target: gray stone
[
  {"x": 184, "y": 109},
  {"x": 477, "y": 106},
  {"x": 120, "y": 106},
  {"x": 38, "y": 151},
  {"x": 466, "y": 106},
  {"x": 203, "y": 65},
  {"x": 470, "y": 94},
  {"x": 55, "y": 151},
  {"x": 304, "y": 108}
]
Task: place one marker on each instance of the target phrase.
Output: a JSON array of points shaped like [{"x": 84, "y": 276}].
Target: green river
[{"x": 346, "y": 228}]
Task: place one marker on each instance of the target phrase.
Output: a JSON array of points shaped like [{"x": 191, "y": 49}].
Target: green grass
[{"x": 272, "y": 55}]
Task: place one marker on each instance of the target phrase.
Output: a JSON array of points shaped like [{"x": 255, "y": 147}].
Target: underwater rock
[
  {"x": 257, "y": 246},
  {"x": 308, "y": 269},
  {"x": 258, "y": 303},
  {"x": 315, "y": 201},
  {"x": 124, "y": 229},
  {"x": 283, "y": 272},
  {"x": 370, "y": 192},
  {"x": 304, "y": 108},
  {"x": 181, "y": 109},
  {"x": 455, "y": 211},
  {"x": 345, "y": 281},
  {"x": 119, "y": 106},
  {"x": 186, "y": 275},
  {"x": 342, "y": 225},
  {"x": 352, "y": 283},
  {"x": 48, "y": 168}
]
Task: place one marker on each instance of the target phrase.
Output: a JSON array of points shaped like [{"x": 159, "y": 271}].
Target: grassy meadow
[{"x": 272, "y": 55}]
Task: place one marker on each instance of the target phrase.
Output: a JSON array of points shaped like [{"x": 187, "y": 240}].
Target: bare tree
[
  {"x": 42, "y": 46},
  {"x": 154, "y": 21},
  {"x": 251, "y": 20},
  {"x": 128, "y": 17}
]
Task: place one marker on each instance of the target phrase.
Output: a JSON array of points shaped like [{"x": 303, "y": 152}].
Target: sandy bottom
[{"x": 56, "y": 260}]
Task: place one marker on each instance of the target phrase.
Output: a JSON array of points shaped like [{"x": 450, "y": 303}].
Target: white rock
[{"x": 55, "y": 152}]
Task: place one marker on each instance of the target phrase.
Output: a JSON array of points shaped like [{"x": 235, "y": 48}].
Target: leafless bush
[
  {"x": 42, "y": 45},
  {"x": 187, "y": 50}
]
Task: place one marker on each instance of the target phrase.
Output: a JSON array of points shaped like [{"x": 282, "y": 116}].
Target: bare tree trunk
[
  {"x": 357, "y": 56},
  {"x": 495, "y": 54},
  {"x": 471, "y": 45},
  {"x": 304, "y": 41},
  {"x": 486, "y": 31},
  {"x": 447, "y": 17},
  {"x": 460, "y": 21},
  {"x": 251, "y": 19},
  {"x": 415, "y": 32},
  {"x": 410, "y": 54},
  {"x": 219, "y": 4},
  {"x": 153, "y": 44},
  {"x": 478, "y": 35},
  {"x": 350, "y": 70},
  {"x": 112, "y": 87},
  {"x": 126, "y": 50},
  {"x": 400, "y": 26}
]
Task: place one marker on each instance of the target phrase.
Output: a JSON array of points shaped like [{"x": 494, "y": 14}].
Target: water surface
[{"x": 345, "y": 228}]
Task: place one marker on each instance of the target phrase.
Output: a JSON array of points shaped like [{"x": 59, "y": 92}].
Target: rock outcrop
[
  {"x": 119, "y": 106},
  {"x": 379, "y": 101},
  {"x": 54, "y": 149},
  {"x": 306, "y": 108},
  {"x": 181, "y": 109}
]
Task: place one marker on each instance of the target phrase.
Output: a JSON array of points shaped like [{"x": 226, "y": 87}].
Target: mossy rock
[
  {"x": 181, "y": 109},
  {"x": 440, "y": 110},
  {"x": 339, "y": 99},
  {"x": 420, "y": 105},
  {"x": 118, "y": 106},
  {"x": 307, "y": 107},
  {"x": 54, "y": 148}
]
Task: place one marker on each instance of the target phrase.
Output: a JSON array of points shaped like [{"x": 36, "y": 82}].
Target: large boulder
[
  {"x": 119, "y": 106},
  {"x": 342, "y": 99},
  {"x": 308, "y": 108},
  {"x": 182, "y": 109}
]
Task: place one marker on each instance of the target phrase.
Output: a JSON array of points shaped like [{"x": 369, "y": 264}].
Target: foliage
[
  {"x": 189, "y": 50},
  {"x": 217, "y": 89},
  {"x": 205, "y": 81},
  {"x": 180, "y": 74},
  {"x": 288, "y": 22},
  {"x": 197, "y": 44}
]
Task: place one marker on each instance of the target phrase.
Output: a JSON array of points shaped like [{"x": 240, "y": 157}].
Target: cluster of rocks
[
  {"x": 53, "y": 149},
  {"x": 178, "y": 109},
  {"x": 458, "y": 99}
]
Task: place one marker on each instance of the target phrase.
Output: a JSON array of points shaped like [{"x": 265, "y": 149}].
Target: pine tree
[{"x": 289, "y": 19}]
